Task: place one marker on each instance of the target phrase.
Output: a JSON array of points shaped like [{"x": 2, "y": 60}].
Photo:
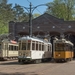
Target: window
[
  {"x": 28, "y": 46},
  {"x": 71, "y": 47},
  {"x": 68, "y": 47},
  {"x": 33, "y": 46},
  {"x": 0, "y": 46},
  {"x": 59, "y": 46},
  {"x": 15, "y": 47},
  {"x": 36, "y": 45},
  {"x": 23, "y": 46},
  {"x": 10, "y": 47},
  {"x": 42, "y": 47},
  {"x": 39, "y": 46}
]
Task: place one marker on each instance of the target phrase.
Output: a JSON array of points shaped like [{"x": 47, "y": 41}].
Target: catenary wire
[{"x": 48, "y": 19}]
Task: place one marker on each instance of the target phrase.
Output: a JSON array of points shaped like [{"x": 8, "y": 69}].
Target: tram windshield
[
  {"x": 63, "y": 46},
  {"x": 25, "y": 46},
  {"x": 59, "y": 46}
]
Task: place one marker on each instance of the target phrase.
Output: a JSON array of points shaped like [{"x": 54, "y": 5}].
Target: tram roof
[
  {"x": 64, "y": 41},
  {"x": 9, "y": 41},
  {"x": 32, "y": 38}
]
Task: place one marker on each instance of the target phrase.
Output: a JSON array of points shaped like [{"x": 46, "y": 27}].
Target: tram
[
  {"x": 34, "y": 50},
  {"x": 8, "y": 49},
  {"x": 63, "y": 50}
]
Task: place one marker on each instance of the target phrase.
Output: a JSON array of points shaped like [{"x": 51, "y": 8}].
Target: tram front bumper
[{"x": 24, "y": 58}]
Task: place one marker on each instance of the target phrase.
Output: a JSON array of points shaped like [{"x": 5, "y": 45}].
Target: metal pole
[{"x": 30, "y": 21}]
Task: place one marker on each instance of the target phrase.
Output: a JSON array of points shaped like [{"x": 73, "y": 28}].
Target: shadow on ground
[
  {"x": 18, "y": 73},
  {"x": 9, "y": 63}
]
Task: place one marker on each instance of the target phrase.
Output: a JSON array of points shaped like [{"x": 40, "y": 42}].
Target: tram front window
[
  {"x": 23, "y": 46},
  {"x": 59, "y": 46}
]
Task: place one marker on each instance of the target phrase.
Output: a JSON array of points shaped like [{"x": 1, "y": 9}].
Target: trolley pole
[
  {"x": 30, "y": 11},
  {"x": 30, "y": 21}
]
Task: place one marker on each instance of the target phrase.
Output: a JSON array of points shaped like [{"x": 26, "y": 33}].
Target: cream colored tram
[
  {"x": 34, "y": 50},
  {"x": 63, "y": 50},
  {"x": 8, "y": 49}
]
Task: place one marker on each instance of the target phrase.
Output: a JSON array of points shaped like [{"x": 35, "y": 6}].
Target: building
[{"x": 43, "y": 25}]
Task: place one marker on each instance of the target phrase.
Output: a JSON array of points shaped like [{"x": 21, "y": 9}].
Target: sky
[{"x": 25, "y": 3}]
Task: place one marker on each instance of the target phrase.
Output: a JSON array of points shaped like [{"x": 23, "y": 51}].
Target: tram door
[{"x": 5, "y": 51}]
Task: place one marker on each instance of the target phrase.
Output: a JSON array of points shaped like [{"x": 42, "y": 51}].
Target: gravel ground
[{"x": 47, "y": 68}]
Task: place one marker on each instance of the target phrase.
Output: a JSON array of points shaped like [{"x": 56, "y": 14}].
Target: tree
[
  {"x": 62, "y": 9},
  {"x": 19, "y": 13},
  {"x": 5, "y": 15},
  {"x": 36, "y": 15}
]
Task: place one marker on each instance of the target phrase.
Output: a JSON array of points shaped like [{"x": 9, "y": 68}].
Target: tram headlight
[
  {"x": 59, "y": 55},
  {"x": 28, "y": 54},
  {"x": 20, "y": 54}
]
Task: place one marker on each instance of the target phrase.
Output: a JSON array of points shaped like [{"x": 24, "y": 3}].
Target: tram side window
[
  {"x": 23, "y": 46},
  {"x": 36, "y": 45},
  {"x": 55, "y": 46},
  {"x": 33, "y": 46},
  {"x": 67, "y": 48},
  {"x": 0, "y": 47},
  {"x": 19, "y": 46},
  {"x": 28, "y": 46},
  {"x": 49, "y": 48},
  {"x": 42, "y": 47},
  {"x": 10, "y": 47},
  {"x": 15, "y": 47},
  {"x": 71, "y": 47}
]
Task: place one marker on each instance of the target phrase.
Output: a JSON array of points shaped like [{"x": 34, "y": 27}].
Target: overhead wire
[
  {"x": 48, "y": 19},
  {"x": 28, "y": 1}
]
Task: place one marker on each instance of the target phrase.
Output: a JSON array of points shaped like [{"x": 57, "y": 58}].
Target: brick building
[{"x": 43, "y": 25}]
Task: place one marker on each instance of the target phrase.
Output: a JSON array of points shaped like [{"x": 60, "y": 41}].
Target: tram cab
[
  {"x": 34, "y": 49},
  {"x": 63, "y": 50},
  {"x": 8, "y": 49}
]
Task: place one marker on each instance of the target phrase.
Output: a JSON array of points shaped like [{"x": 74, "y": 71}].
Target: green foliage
[
  {"x": 7, "y": 14},
  {"x": 36, "y": 15},
  {"x": 19, "y": 14},
  {"x": 62, "y": 9}
]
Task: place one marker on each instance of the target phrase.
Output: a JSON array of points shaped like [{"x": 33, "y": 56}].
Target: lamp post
[{"x": 30, "y": 11}]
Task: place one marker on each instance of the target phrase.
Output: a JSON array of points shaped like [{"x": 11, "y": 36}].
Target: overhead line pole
[{"x": 30, "y": 10}]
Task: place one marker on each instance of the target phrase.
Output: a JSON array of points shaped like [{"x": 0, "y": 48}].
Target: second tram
[
  {"x": 34, "y": 50},
  {"x": 8, "y": 49},
  {"x": 63, "y": 50}
]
